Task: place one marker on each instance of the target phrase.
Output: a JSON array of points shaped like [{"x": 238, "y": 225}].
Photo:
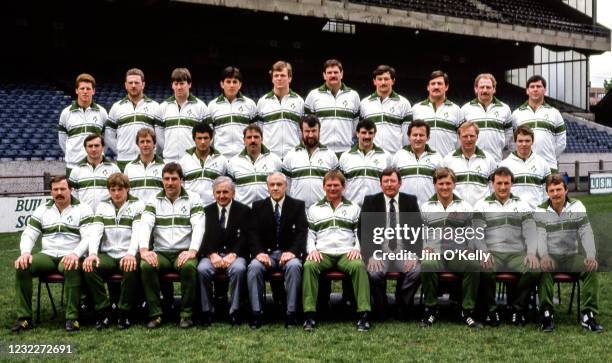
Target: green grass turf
[{"x": 332, "y": 341}]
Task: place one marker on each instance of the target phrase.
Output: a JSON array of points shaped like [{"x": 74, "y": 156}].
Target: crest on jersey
[
  {"x": 184, "y": 209},
  {"x": 533, "y": 168},
  {"x": 155, "y": 172},
  {"x": 445, "y": 114},
  {"x": 145, "y": 109},
  {"x": 345, "y": 103},
  {"x": 293, "y": 106},
  {"x": 95, "y": 118},
  {"x": 189, "y": 112},
  {"x": 546, "y": 116},
  {"x": 496, "y": 113},
  {"x": 478, "y": 169},
  {"x": 392, "y": 109},
  {"x": 240, "y": 108},
  {"x": 105, "y": 172},
  {"x": 69, "y": 219}
]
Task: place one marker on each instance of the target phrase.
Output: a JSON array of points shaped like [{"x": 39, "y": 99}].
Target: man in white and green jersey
[
  {"x": 250, "y": 169},
  {"x": 113, "y": 251},
  {"x": 417, "y": 162},
  {"x": 203, "y": 164},
  {"x": 492, "y": 116},
  {"x": 230, "y": 113},
  {"x": 337, "y": 107},
  {"x": 83, "y": 117},
  {"x": 279, "y": 111},
  {"x": 471, "y": 165},
  {"x": 390, "y": 111},
  {"x": 363, "y": 164},
  {"x": 307, "y": 163},
  {"x": 442, "y": 115},
  {"x": 175, "y": 218},
  {"x": 545, "y": 121},
  {"x": 145, "y": 172},
  {"x": 89, "y": 177},
  {"x": 129, "y": 115},
  {"x": 530, "y": 170},
  {"x": 178, "y": 115}
]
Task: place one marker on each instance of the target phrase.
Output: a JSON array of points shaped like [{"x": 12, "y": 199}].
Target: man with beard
[{"x": 307, "y": 163}]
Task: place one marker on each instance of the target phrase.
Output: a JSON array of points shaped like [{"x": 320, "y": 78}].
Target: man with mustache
[
  {"x": 492, "y": 116},
  {"x": 65, "y": 225},
  {"x": 363, "y": 163},
  {"x": 545, "y": 121},
  {"x": 81, "y": 118},
  {"x": 337, "y": 107},
  {"x": 390, "y": 111},
  {"x": 442, "y": 115},
  {"x": 129, "y": 115},
  {"x": 251, "y": 167},
  {"x": 307, "y": 163},
  {"x": 279, "y": 111}
]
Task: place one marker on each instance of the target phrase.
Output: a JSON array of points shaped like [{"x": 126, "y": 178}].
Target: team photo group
[{"x": 294, "y": 188}]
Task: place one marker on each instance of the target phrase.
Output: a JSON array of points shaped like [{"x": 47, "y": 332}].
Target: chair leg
[
  {"x": 38, "y": 303},
  {"x": 578, "y": 301},
  {"x": 52, "y": 302},
  {"x": 62, "y": 300},
  {"x": 569, "y": 310},
  {"x": 559, "y": 293}
]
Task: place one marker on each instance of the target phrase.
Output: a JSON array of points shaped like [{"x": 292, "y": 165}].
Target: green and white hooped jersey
[
  {"x": 333, "y": 231},
  {"x": 494, "y": 125},
  {"x": 560, "y": 234},
  {"x": 280, "y": 121},
  {"x": 75, "y": 124},
  {"x": 417, "y": 173},
  {"x": 199, "y": 175},
  {"x": 392, "y": 117},
  {"x": 508, "y": 226},
  {"x": 362, "y": 172},
  {"x": 472, "y": 174},
  {"x": 529, "y": 177},
  {"x": 548, "y": 128},
  {"x": 62, "y": 233},
  {"x": 145, "y": 181},
  {"x": 338, "y": 115},
  {"x": 305, "y": 172},
  {"x": 177, "y": 123},
  {"x": 115, "y": 228},
  {"x": 457, "y": 214},
  {"x": 90, "y": 183},
  {"x": 251, "y": 176},
  {"x": 123, "y": 123},
  {"x": 229, "y": 120},
  {"x": 176, "y": 226},
  {"x": 443, "y": 122}
]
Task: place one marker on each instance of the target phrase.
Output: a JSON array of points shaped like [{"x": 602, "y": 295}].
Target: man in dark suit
[
  {"x": 278, "y": 241},
  {"x": 387, "y": 210},
  {"x": 224, "y": 248}
]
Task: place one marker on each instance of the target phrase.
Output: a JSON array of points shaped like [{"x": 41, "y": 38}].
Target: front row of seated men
[{"x": 173, "y": 229}]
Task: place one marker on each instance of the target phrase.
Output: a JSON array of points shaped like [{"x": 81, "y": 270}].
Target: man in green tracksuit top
[
  {"x": 333, "y": 242},
  {"x": 113, "y": 251},
  {"x": 561, "y": 223}
]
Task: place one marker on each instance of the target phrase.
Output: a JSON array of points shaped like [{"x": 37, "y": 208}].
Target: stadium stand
[{"x": 524, "y": 12}]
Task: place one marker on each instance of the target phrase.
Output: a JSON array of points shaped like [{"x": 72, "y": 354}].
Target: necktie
[
  {"x": 222, "y": 219},
  {"x": 392, "y": 223},
  {"x": 277, "y": 219}
]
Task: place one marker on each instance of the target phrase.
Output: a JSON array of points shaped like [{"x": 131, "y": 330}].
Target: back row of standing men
[{"x": 382, "y": 135}]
